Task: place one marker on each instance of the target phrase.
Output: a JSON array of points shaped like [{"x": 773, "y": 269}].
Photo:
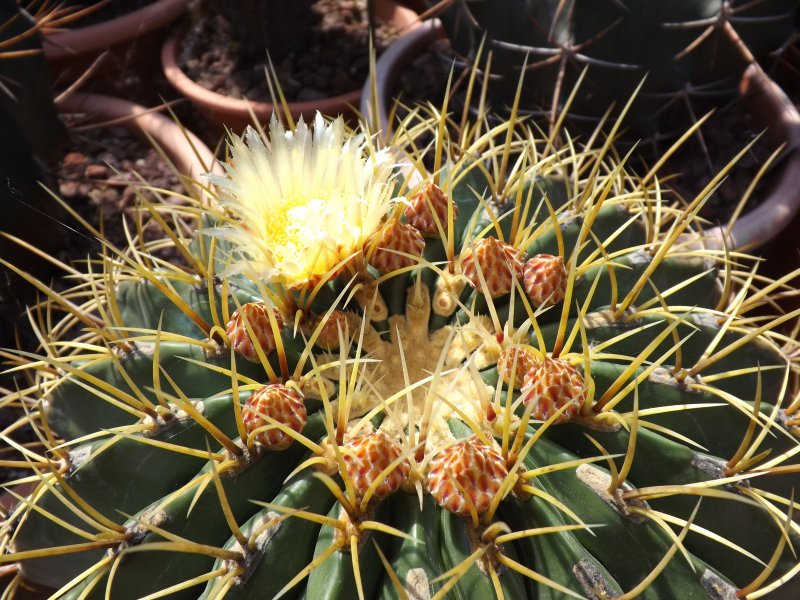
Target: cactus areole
[{"x": 494, "y": 367}]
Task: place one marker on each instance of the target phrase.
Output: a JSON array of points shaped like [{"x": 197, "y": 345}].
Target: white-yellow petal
[{"x": 303, "y": 200}]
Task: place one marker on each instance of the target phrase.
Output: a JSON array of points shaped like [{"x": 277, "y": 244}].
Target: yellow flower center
[
  {"x": 280, "y": 229},
  {"x": 308, "y": 236}
]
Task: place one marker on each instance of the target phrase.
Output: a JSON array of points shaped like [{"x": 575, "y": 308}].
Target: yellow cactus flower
[{"x": 303, "y": 201}]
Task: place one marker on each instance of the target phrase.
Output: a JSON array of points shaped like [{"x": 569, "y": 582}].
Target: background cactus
[
  {"x": 692, "y": 52},
  {"x": 561, "y": 392}
]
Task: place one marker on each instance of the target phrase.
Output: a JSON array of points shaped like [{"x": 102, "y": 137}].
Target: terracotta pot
[
  {"x": 235, "y": 114},
  {"x": 770, "y": 109},
  {"x": 763, "y": 99},
  {"x": 388, "y": 68},
  {"x": 132, "y": 40},
  {"x": 187, "y": 152}
]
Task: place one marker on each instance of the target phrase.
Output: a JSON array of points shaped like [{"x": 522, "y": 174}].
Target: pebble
[
  {"x": 97, "y": 172},
  {"x": 73, "y": 159},
  {"x": 68, "y": 189},
  {"x": 87, "y": 178},
  {"x": 109, "y": 196}
]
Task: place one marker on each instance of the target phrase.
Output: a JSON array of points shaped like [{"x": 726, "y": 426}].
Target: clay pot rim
[
  {"x": 406, "y": 18},
  {"x": 191, "y": 157},
  {"x": 773, "y": 111},
  {"x": 191, "y": 89},
  {"x": 75, "y": 42},
  {"x": 388, "y": 68}
]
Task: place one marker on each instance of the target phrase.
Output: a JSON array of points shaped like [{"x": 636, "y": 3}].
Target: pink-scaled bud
[
  {"x": 396, "y": 246},
  {"x": 270, "y": 404},
  {"x": 426, "y": 203},
  {"x": 518, "y": 359},
  {"x": 366, "y": 457},
  {"x": 467, "y": 473},
  {"x": 258, "y": 319},
  {"x": 500, "y": 264},
  {"x": 551, "y": 384},
  {"x": 545, "y": 279},
  {"x": 328, "y": 333}
]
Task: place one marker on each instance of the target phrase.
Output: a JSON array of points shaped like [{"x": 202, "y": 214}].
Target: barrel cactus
[
  {"x": 494, "y": 366},
  {"x": 692, "y": 52}
]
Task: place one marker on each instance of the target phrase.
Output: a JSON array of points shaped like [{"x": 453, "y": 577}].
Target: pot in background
[
  {"x": 190, "y": 156},
  {"x": 772, "y": 111},
  {"x": 388, "y": 69},
  {"x": 235, "y": 113},
  {"x": 132, "y": 40}
]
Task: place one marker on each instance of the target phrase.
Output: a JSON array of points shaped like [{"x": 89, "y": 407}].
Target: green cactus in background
[
  {"x": 492, "y": 367},
  {"x": 693, "y": 52}
]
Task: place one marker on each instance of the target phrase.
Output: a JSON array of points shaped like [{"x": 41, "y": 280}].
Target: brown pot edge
[
  {"x": 71, "y": 43},
  {"x": 388, "y": 68},
  {"x": 236, "y": 112},
  {"x": 191, "y": 157},
  {"x": 771, "y": 109}
]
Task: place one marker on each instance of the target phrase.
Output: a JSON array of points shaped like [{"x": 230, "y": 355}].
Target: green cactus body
[
  {"x": 453, "y": 421},
  {"x": 94, "y": 476},
  {"x": 285, "y": 548},
  {"x": 692, "y": 52}
]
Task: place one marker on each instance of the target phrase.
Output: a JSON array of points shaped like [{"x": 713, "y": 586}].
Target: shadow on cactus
[{"x": 499, "y": 365}]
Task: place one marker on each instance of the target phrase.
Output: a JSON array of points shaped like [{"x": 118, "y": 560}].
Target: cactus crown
[{"x": 420, "y": 427}]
